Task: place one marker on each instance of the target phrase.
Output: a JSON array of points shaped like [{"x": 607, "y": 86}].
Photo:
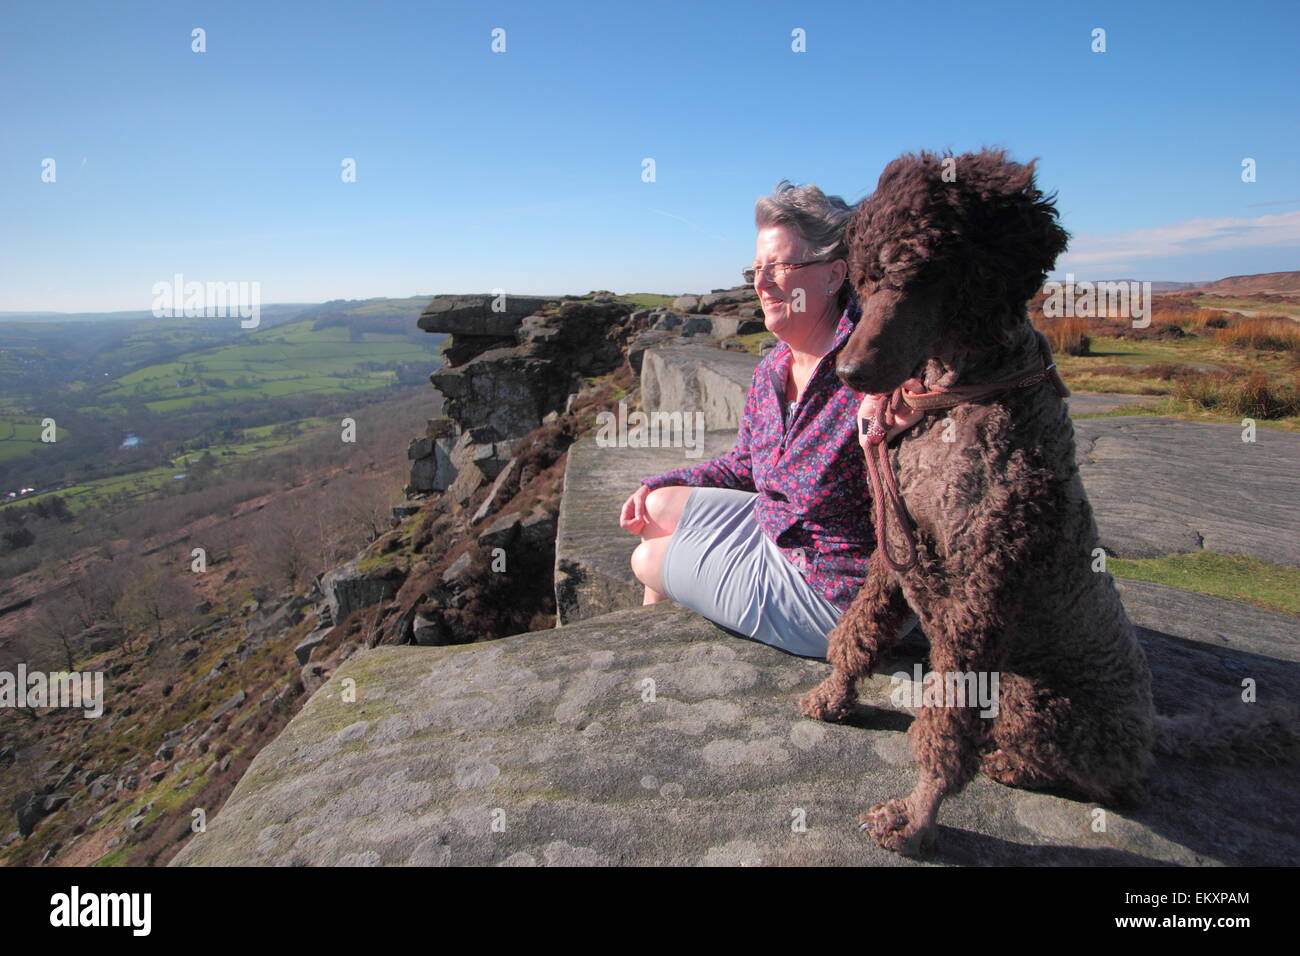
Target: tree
[
  {"x": 63, "y": 628},
  {"x": 16, "y": 539},
  {"x": 283, "y": 543},
  {"x": 157, "y": 596}
]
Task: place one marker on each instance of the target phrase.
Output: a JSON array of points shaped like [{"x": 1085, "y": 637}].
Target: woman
[{"x": 772, "y": 539}]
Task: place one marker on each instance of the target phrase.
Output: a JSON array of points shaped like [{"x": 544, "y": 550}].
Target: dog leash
[{"x": 884, "y": 484}]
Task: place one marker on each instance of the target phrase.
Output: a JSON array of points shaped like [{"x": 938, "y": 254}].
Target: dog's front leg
[
  {"x": 945, "y": 740},
  {"x": 864, "y": 634},
  {"x": 966, "y": 631}
]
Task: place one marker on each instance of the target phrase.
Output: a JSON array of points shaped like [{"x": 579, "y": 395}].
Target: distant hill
[
  {"x": 1160, "y": 286},
  {"x": 270, "y": 314},
  {"x": 1274, "y": 282}
]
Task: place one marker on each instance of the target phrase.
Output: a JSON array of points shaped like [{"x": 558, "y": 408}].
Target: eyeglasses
[{"x": 776, "y": 271}]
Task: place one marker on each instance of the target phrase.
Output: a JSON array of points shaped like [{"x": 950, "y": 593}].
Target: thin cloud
[
  {"x": 711, "y": 235},
  {"x": 1192, "y": 237},
  {"x": 672, "y": 216}
]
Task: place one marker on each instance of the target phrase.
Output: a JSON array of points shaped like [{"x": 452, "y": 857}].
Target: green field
[
  {"x": 147, "y": 482},
  {"x": 21, "y": 436},
  {"x": 112, "y": 375},
  {"x": 288, "y": 360}
]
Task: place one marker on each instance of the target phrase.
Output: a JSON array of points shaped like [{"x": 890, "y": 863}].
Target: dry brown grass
[
  {"x": 1268, "y": 333},
  {"x": 1068, "y": 335},
  {"x": 1212, "y": 318},
  {"x": 1253, "y": 396}
]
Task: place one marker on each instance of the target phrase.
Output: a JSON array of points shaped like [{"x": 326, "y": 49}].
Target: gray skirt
[{"x": 721, "y": 564}]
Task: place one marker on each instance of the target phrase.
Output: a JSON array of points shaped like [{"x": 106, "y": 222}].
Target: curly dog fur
[{"x": 944, "y": 256}]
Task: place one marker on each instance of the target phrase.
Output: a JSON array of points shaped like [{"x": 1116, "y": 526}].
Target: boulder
[
  {"x": 501, "y": 533},
  {"x": 431, "y": 465},
  {"x": 484, "y": 316},
  {"x": 501, "y": 388},
  {"x": 456, "y": 573},
  {"x": 497, "y": 495},
  {"x": 646, "y": 340},
  {"x": 431, "y": 630},
  {"x": 698, "y": 378},
  {"x": 538, "y": 529},
  {"x": 302, "y": 651},
  {"x": 28, "y": 811},
  {"x": 348, "y": 590},
  {"x": 229, "y": 705},
  {"x": 728, "y": 299}
]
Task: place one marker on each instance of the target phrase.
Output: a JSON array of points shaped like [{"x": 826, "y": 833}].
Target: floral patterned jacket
[{"x": 814, "y": 496}]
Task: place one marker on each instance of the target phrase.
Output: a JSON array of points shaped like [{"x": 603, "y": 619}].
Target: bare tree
[{"x": 158, "y": 596}]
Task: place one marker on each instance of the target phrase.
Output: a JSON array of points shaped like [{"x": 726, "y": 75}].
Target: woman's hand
[
  {"x": 889, "y": 409},
  {"x": 633, "y": 517}
]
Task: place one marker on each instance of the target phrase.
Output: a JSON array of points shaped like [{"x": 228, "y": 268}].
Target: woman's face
[{"x": 800, "y": 298}]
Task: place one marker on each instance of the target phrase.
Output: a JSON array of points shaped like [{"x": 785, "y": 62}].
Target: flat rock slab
[
  {"x": 649, "y": 736},
  {"x": 592, "y": 553},
  {"x": 1162, "y": 486},
  {"x": 1097, "y": 403}
]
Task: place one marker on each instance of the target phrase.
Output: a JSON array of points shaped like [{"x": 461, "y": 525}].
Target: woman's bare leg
[{"x": 663, "y": 509}]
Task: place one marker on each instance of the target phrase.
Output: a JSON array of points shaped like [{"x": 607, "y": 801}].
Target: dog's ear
[
  {"x": 1006, "y": 239},
  {"x": 895, "y": 234}
]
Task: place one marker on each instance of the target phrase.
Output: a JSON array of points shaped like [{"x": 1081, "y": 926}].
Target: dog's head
[{"x": 944, "y": 255}]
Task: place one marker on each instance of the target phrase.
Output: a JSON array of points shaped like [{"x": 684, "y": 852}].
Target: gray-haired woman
[{"x": 772, "y": 539}]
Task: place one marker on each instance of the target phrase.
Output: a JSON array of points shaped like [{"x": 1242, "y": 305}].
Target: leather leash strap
[{"x": 884, "y": 485}]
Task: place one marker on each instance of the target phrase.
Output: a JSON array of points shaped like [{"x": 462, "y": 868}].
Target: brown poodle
[{"x": 990, "y": 538}]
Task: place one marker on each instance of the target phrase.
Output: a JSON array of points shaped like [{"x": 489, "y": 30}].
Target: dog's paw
[
  {"x": 891, "y": 826},
  {"x": 829, "y": 701},
  {"x": 999, "y": 766}
]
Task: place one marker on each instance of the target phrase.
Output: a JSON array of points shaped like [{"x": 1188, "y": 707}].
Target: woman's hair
[{"x": 818, "y": 219}]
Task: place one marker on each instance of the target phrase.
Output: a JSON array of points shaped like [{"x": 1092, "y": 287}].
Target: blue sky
[{"x": 522, "y": 170}]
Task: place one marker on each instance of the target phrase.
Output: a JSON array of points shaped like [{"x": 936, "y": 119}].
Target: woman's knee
[
  {"x": 664, "y": 508},
  {"x": 647, "y": 561}
]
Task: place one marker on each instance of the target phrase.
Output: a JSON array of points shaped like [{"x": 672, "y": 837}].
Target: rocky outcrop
[
  {"x": 515, "y": 361},
  {"x": 493, "y": 396},
  {"x": 666, "y": 327},
  {"x": 739, "y": 300},
  {"x": 477, "y": 323}
]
